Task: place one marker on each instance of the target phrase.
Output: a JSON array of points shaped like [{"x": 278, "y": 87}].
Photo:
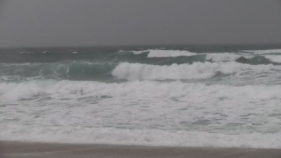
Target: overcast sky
[{"x": 138, "y": 22}]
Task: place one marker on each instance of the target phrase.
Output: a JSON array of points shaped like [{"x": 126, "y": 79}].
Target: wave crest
[
  {"x": 155, "y": 53},
  {"x": 135, "y": 71}
]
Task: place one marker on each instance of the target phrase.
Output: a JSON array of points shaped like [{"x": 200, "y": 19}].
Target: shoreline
[{"x": 13, "y": 149}]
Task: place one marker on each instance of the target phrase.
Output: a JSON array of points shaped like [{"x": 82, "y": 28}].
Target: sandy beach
[{"x": 40, "y": 150}]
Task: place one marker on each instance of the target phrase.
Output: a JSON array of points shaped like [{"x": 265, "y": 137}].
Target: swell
[
  {"x": 207, "y": 70},
  {"x": 60, "y": 71},
  {"x": 151, "y": 56},
  {"x": 151, "y": 64},
  {"x": 114, "y": 71}
]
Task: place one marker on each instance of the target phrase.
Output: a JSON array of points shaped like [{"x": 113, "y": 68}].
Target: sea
[{"x": 182, "y": 96}]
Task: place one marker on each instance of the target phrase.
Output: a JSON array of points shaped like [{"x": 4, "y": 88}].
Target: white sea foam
[
  {"x": 141, "y": 113},
  {"x": 154, "y": 53},
  {"x": 224, "y": 57},
  {"x": 235, "y": 105},
  {"x": 26, "y": 90},
  {"x": 218, "y": 57},
  {"x": 274, "y": 58},
  {"x": 140, "y": 51},
  {"x": 269, "y": 51},
  {"x": 140, "y": 137},
  {"x": 168, "y": 53},
  {"x": 145, "y": 89},
  {"x": 14, "y": 91},
  {"x": 198, "y": 70}
]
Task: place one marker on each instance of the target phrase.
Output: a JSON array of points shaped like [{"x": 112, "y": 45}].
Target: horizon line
[{"x": 143, "y": 45}]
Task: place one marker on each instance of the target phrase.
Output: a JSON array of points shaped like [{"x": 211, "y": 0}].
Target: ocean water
[{"x": 200, "y": 97}]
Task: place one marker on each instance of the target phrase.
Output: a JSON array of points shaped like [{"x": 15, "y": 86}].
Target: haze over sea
[{"x": 199, "y": 96}]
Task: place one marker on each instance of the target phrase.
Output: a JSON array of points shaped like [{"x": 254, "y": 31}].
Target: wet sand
[{"x": 47, "y": 150}]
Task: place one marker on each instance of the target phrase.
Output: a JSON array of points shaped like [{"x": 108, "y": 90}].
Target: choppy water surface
[{"x": 170, "y": 97}]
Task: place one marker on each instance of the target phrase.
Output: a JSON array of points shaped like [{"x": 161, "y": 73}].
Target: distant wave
[
  {"x": 154, "y": 53},
  {"x": 268, "y": 51},
  {"x": 217, "y": 57}
]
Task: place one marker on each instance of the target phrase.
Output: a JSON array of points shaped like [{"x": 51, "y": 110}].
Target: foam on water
[
  {"x": 113, "y": 136},
  {"x": 141, "y": 113},
  {"x": 168, "y": 53},
  {"x": 135, "y": 71},
  {"x": 218, "y": 57},
  {"x": 274, "y": 58},
  {"x": 269, "y": 51},
  {"x": 140, "y": 52},
  {"x": 149, "y": 97},
  {"x": 154, "y": 53},
  {"x": 25, "y": 90}
]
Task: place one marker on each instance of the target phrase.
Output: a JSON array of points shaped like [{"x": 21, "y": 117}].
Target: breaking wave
[
  {"x": 135, "y": 71},
  {"x": 177, "y": 69},
  {"x": 269, "y": 51},
  {"x": 274, "y": 58},
  {"x": 145, "y": 97},
  {"x": 248, "y": 56},
  {"x": 165, "y": 53}
]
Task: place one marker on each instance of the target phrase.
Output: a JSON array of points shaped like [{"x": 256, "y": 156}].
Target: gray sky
[{"x": 138, "y": 22}]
